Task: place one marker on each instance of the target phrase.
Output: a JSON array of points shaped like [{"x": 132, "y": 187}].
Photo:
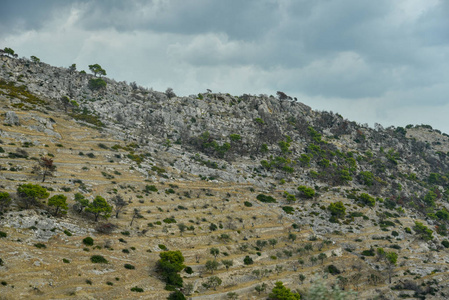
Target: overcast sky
[{"x": 378, "y": 61}]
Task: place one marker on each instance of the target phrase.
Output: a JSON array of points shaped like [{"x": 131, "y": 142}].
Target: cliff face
[{"x": 219, "y": 153}]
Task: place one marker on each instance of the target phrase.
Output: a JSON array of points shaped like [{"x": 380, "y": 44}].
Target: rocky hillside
[{"x": 250, "y": 189}]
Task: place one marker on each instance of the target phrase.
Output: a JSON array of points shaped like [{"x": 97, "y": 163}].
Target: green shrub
[
  {"x": 188, "y": 270},
  {"x": 369, "y": 252},
  {"x": 68, "y": 233},
  {"x": 65, "y": 260},
  {"x": 424, "y": 232},
  {"x": 40, "y": 246},
  {"x": 265, "y": 199},
  {"x": 337, "y": 209},
  {"x": 367, "y": 200},
  {"x": 150, "y": 188},
  {"x": 3, "y": 234},
  {"x": 169, "y": 220},
  {"x": 288, "y": 209},
  {"x": 162, "y": 247},
  {"x": 96, "y": 84},
  {"x": 88, "y": 241},
  {"x": 333, "y": 270},
  {"x": 306, "y": 192},
  {"x": 248, "y": 260},
  {"x": 247, "y": 204},
  {"x": 98, "y": 259},
  {"x": 137, "y": 289},
  {"x": 445, "y": 243},
  {"x": 367, "y": 178},
  {"x": 129, "y": 267}
]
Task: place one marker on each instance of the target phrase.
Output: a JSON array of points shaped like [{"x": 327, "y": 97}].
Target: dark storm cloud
[
  {"x": 238, "y": 19},
  {"x": 26, "y": 14}
]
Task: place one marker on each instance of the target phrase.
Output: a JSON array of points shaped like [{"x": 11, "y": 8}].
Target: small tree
[
  {"x": 308, "y": 247},
  {"x": 261, "y": 244},
  {"x": 322, "y": 257},
  {"x": 176, "y": 295},
  {"x": 81, "y": 202},
  {"x": 281, "y": 95},
  {"x": 391, "y": 259},
  {"x": 306, "y": 192},
  {"x": 273, "y": 242},
  {"x": 422, "y": 230},
  {"x": 337, "y": 209},
  {"x": 119, "y": 204},
  {"x": 35, "y": 59},
  {"x": 248, "y": 260},
  {"x": 280, "y": 292},
  {"x": 213, "y": 282},
  {"x": 9, "y": 52},
  {"x": 211, "y": 265},
  {"x": 5, "y": 200},
  {"x": 261, "y": 288},
  {"x": 45, "y": 167},
  {"x": 99, "y": 207},
  {"x": 97, "y": 69},
  {"x": 67, "y": 103},
  {"x": 59, "y": 202},
  {"x": 291, "y": 237},
  {"x": 313, "y": 260},
  {"x": 168, "y": 266},
  {"x": 380, "y": 254},
  {"x": 227, "y": 263},
  {"x": 214, "y": 252},
  {"x": 136, "y": 214},
  {"x": 72, "y": 68},
  {"x": 182, "y": 227},
  {"x": 169, "y": 93},
  {"x": 29, "y": 194}
]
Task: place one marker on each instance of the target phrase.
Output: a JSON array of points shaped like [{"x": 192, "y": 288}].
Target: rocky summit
[{"x": 109, "y": 190}]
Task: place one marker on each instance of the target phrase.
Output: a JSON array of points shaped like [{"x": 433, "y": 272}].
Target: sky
[{"x": 380, "y": 61}]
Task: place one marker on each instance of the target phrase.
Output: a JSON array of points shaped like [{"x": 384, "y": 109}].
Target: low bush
[
  {"x": 137, "y": 289},
  {"x": 265, "y": 198},
  {"x": 333, "y": 270},
  {"x": 88, "y": 241},
  {"x": 98, "y": 259}
]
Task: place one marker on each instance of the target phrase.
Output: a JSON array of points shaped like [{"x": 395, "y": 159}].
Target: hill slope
[{"x": 212, "y": 162}]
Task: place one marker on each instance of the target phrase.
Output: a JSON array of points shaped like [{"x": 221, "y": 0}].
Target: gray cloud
[{"x": 346, "y": 54}]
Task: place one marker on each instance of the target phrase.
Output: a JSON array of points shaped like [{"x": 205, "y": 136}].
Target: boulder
[{"x": 11, "y": 118}]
